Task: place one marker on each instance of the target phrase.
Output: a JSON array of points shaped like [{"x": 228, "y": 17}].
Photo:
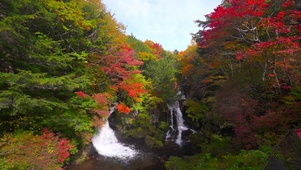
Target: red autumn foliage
[
  {"x": 101, "y": 98},
  {"x": 265, "y": 122},
  {"x": 102, "y": 113},
  {"x": 48, "y": 151},
  {"x": 119, "y": 65},
  {"x": 156, "y": 48},
  {"x": 122, "y": 108},
  {"x": 81, "y": 94},
  {"x": 287, "y": 3},
  {"x": 62, "y": 145},
  {"x": 134, "y": 89},
  {"x": 256, "y": 34},
  {"x": 239, "y": 56},
  {"x": 245, "y": 114}
]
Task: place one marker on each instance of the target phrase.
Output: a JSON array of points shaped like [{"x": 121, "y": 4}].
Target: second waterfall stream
[{"x": 176, "y": 129}]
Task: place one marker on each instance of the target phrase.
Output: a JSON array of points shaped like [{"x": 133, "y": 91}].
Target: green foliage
[
  {"x": 142, "y": 120},
  {"x": 163, "y": 126},
  {"x": 294, "y": 96},
  {"x": 176, "y": 163},
  {"x": 195, "y": 110},
  {"x": 253, "y": 159},
  {"x": 39, "y": 79},
  {"x": 146, "y": 101},
  {"x": 208, "y": 162},
  {"x": 137, "y": 133},
  {"x": 49, "y": 51},
  {"x": 163, "y": 77},
  {"x": 153, "y": 142},
  {"x": 159, "y": 134},
  {"x": 138, "y": 45},
  {"x": 219, "y": 145}
]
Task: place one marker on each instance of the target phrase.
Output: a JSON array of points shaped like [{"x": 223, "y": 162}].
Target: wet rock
[{"x": 187, "y": 133}]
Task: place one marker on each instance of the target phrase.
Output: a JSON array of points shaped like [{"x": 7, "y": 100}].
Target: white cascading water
[
  {"x": 180, "y": 123},
  {"x": 106, "y": 143}
]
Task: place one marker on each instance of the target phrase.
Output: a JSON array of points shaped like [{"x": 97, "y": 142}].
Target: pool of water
[{"x": 143, "y": 161}]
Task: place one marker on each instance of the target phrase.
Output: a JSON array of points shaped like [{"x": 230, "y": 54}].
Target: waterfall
[
  {"x": 180, "y": 127},
  {"x": 106, "y": 143}
]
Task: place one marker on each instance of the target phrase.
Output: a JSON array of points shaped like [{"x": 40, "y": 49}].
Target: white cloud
[{"x": 168, "y": 22}]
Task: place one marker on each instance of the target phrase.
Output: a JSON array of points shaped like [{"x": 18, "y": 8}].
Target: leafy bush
[
  {"x": 28, "y": 151},
  {"x": 253, "y": 159}
]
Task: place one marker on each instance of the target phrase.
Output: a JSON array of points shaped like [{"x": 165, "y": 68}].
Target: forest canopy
[{"x": 64, "y": 63}]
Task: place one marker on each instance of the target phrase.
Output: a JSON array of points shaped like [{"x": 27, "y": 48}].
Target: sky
[{"x": 167, "y": 22}]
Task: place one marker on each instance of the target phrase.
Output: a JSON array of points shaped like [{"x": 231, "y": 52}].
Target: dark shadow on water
[{"x": 140, "y": 162}]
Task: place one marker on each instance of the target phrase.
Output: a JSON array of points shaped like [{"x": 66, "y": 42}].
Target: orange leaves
[
  {"x": 134, "y": 86},
  {"x": 188, "y": 59},
  {"x": 187, "y": 69},
  {"x": 122, "y": 108},
  {"x": 156, "y": 48},
  {"x": 133, "y": 89}
]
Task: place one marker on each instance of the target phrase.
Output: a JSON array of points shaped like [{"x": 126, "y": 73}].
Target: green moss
[
  {"x": 152, "y": 142},
  {"x": 163, "y": 126},
  {"x": 152, "y": 130},
  {"x": 138, "y": 133},
  {"x": 159, "y": 135}
]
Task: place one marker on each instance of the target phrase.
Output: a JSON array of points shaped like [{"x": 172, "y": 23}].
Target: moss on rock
[{"x": 153, "y": 143}]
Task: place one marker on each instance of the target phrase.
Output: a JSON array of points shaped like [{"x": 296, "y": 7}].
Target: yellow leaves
[
  {"x": 190, "y": 53},
  {"x": 50, "y": 148},
  {"x": 146, "y": 56},
  {"x": 115, "y": 30},
  {"x": 72, "y": 11}
]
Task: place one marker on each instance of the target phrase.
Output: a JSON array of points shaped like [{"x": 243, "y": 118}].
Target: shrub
[{"x": 28, "y": 151}]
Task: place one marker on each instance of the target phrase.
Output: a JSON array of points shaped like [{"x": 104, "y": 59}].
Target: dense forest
[{"x": 64, "y": 63}]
